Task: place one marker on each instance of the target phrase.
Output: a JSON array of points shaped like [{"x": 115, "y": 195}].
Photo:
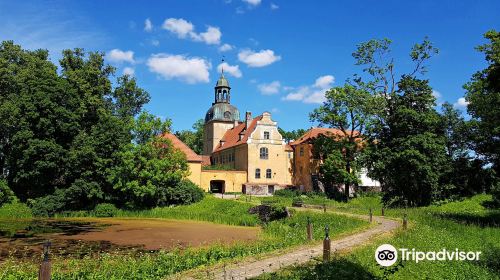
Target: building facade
[{"x": 253, "y": 149}]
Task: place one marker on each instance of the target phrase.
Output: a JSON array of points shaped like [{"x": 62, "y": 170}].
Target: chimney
[
  {"x": 221, "y": 142},
  {"x": 248, "y": 119}
]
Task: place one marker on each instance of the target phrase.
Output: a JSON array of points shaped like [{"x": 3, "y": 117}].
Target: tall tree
[
  {"x": 408, "y": 152},
  {"x": 350, "y": 110},
  {"x": 483, "y": 95},
  {"x": 60, "y": 131}
]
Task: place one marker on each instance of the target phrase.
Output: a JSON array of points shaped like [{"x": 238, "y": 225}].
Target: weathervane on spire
[{"x": 222, "y": 65}]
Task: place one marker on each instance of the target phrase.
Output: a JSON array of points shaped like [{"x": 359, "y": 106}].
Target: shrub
[
  {"x": 47, "y": 206},
  {"x": 270, "y": 212},
  {"x": 186, "y": 192},
  {"x": 6, "y": 194},
  {"x": 105, "y": 210},
  {"x": 287, "y": 192},
  {"x": 15, "y": 210},
  {"x": 297, "y": 202}
]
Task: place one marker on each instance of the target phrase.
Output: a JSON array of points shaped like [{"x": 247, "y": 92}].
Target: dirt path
[{"x": 246, "y": 270}]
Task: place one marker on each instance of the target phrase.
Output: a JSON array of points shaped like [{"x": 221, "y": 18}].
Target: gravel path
[{"x": 246, "y": 270}]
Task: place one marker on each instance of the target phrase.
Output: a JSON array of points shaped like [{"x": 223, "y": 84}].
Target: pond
[{"x": 79, "y": 237}]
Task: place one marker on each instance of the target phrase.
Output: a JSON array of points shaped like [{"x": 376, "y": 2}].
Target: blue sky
[{"x": 280, "y": 54}]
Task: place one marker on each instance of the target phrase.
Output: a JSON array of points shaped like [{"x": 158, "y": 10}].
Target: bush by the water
[
  {"x": 186, "y": 192},
  {"x": 6, "y": 194},
  {"x": 105, "y": 210},
  {"x": 15, "y": 210}
]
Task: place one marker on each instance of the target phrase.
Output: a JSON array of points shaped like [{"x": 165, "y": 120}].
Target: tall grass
[
  {"x": 15, "y": 210},
  {"x": 465, "y": 225}
]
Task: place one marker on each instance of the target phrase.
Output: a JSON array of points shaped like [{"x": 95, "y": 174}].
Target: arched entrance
[{"x": 217, "y": 186}]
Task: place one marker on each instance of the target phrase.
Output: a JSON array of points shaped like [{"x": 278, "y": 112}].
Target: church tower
[{"x": 221, "y": 117}]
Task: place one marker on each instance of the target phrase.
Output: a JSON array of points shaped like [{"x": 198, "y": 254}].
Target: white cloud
[
  {"x": 188, "y": 69},
  {"x": 128, "y": 71},
  {"x": 225, "y": 48},
  {"x": 436, "y": 94},
  {"x": 119, "y": 56},
  {"x": 210, "y": 37},
  {"x": 183, "y": 29},
  {"x": 258, "y": 59},
  {"x": 148, "y": 25},
  {"x": 180, "y": 27},
  {"x": 233, "y": 70},
  {"x": 316, "y": 97},
  {"x": 314, "y": 93},
  {"x": 271, "y": 88},
  {"x": 155, "y": 43},
  {"x": 324, "y": 82},
  {"x": 252, "y": 2},
  {"x": 461, "y": 103},
  {"x": 274, "y": 6}
]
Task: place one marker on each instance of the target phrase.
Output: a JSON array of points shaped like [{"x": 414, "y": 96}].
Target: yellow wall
[
  {"x": 195, "y": 172},
  {"x": 234, "y": 180},
  {"x": 305, "y": 165},
  {"x": 277, "y": 161}
]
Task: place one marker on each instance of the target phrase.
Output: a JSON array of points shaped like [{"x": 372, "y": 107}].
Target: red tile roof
[
  {"x": 232, "y": 137},
  {"x": 315, "y": 132},
  {"x": 191, "y": 156}
]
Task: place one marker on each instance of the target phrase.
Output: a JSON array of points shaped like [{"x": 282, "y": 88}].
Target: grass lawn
[
  {"x": 276, "y": 235},
  {"x": 467, "y": 225}
]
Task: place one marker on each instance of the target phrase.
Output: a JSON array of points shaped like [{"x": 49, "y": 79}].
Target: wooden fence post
[
  {"x": 324, "y": 207},
  {"x": 326, "y": 245},
  {"x": 309, "y": 229},
  {"x": 371, "y": 215},
  {"x": 383, "y": 211},
  {"x": 45, "y": 268}
]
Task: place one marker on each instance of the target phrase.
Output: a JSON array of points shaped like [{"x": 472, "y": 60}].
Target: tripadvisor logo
[{"x": 387, "y": 255}]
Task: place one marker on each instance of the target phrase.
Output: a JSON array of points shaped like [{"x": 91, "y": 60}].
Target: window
[
  {"x": 301, "y": 151},
  {"x": 264, "y": 153},
  {"x": 227, "y": 115},
  {"x": 266, "y": 135},
  {"x": 268, "y": 173},
  {"x": 257, "y": 173}
]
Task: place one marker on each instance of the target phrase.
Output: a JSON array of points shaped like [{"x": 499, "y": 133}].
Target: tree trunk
[{"x": 347, "y": 183}]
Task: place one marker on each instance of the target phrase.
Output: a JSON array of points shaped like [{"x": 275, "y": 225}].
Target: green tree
[
  {"x": 193, "y": 138},
  {"x": 60, "y": 131},
  {"x": 466, "y": 175},
  {"x": 350, "y": 110},
  {"x": 483, "y": 95},
  {"x": 408, "y": 152},
  {"x": 290, "y": 136},
  {"x": 150, "y": 168},
  {"x": 409, "y": 156}
]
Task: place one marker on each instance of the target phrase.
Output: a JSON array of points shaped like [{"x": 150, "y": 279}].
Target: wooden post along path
[
  {"x": 326, "y": 245},
  {"x": 309, "y": 229},
  {"x": 45, "y": 268}
]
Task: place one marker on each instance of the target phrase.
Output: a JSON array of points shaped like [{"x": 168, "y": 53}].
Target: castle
[{"x": 249, "y": 156}]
